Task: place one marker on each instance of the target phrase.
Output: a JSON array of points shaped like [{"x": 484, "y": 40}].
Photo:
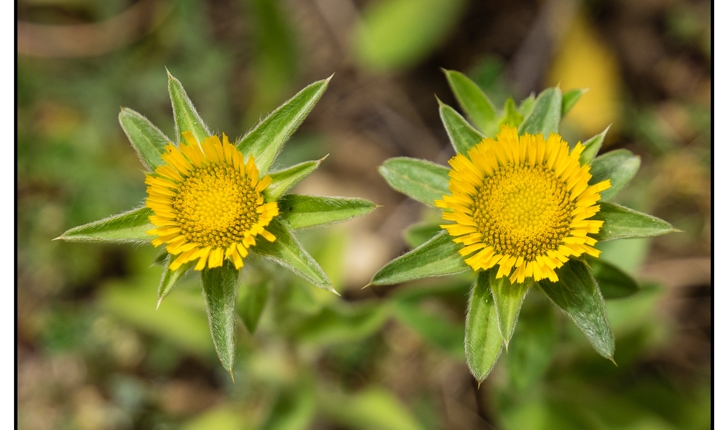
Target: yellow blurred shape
[{"x": 584, "y": 61}]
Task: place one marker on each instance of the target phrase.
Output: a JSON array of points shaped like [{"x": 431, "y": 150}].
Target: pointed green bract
[
  {"x": 613, "y": 282},
  {"x": 570, "y": 98},
  {"x": 251, "y": 301},
  {"x": 421, "y": 180},
  {"x": 625, "y": 223},
  {"x": 148, "y": 141},
  {"x": 462, "y": 135},
  {"x": 508, "y": 299},
  {"x": 475, "y": 103},
  {"x": 436, "y": 257},
  {"x": 287, "y": 251},
  {"x": 283, "y": 180},
  {"x": 591, "y": 147},
  {"x": 311, "y": 211},
  {"x": 618, "y": 166},
  {"x": 511, "y": 116},
  {"x": 483, "y": 341},
  {"x": 220, "y": 291},
  {"x": 266, "y": 139},
  {"x": 545, "y": 114},
  {"x": 170, "y": 278},
  {"x": 526, "y": 105},
  {"x": 128, "y": 227},
  {"x": 419, "y": 233},
  {"x": 577, "y": 294},
  {"x": 186, "y": 117}
]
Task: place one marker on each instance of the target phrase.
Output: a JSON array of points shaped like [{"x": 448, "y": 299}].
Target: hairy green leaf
[
  {"x": 310, "y": 211},
  {"x": 591, "y": 147},
  {"x": 128, "y": 227},
  {"x": 266, "y": 139},
  {"x": 283, "y": 180},
  {"x": 526, "y": 106},
  {"x": 220, "y": 290},
  {"x": 511, "y": 115},
  {"x": 625, "y": 223},
  {"x": 186, "y": 117},
  {"x": 508, "y": 299},
  {"x": 421, "y": 180},
  {"x": 483, "y": 341},
  {"x": 618, "y": 166},
  {"x": 436, "y": 257},
  {"x": 613, "y": 282},
  {"x": 570, "y": 98},
  {"x": 170, "y": 278},
  {"x": 462, "y": 135},
  {"x": 475, "y": 103},
  {"x": 417, "y": 234},
  {"x": 148, "y": 141},
  {"x": 577, "y": 294},
  {"x": 545, "y": 115}
]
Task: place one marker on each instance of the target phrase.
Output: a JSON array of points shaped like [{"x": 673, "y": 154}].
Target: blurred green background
[{"x": 92, "y": 353}]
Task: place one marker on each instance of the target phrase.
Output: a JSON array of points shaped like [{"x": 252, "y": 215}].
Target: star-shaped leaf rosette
[
  {"x": 521, "y": 210},
  {"x": 211, "y": 202}
]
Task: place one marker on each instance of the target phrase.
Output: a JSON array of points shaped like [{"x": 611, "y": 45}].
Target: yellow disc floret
[
  {"x": 208, "y": 203},
  {"x": 523, "y": 203}
]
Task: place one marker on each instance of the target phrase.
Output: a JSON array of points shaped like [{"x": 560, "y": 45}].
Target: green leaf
[
  {"x": 462, "y": 135},
  {"x": 186, "y": 117},
  {"x": 433, "y": 328},
  {"x": 220, "y": 291},
  {"x": 148, "y": 141},
  {"x": 508, "y": 299},
  {"x": 577, "y": 294},
  {"x": 397, "y": 33},
  {"x": 251, "y": 301},
  {"x": 266, "y": 139},
  {"x": 417, "y": 234},
  {"x": 436, "y": 257},
  {"x": 618, "y": 166},
  {"x": 475, "y": 103},
  {"x": 545, "y": 115},
  {"x": 570, "y": 98},
  {"x": 339, "y": 324},
  {"x": 283, "y": 180},
  {"x": 613, "y": 282},
  {"x": 128, "y": 227},
  {"x": 625, "y": 223},
  {"x": 483, "y": 341},
  {"x": 526, "y": 106},
  {"x": 591, "y": 147},
  {"x": 289, "y": 253},
  {"x": 421, "y": 180},
  {"x": 310, "y": 211},
  {"x": 511, "y": 116},
  {"x": 169, "y": 279}
]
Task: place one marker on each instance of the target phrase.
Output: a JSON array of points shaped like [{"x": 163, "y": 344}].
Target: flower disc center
[
  {"x": 523, "y": 210},
  {"x": 216, "y": 205}
]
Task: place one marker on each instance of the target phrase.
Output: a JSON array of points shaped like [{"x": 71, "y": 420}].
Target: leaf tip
[
  {"x": 368, "y": 285},
  {"x": 61, "y": 237},
  {"x": 232, "y": 376},
  {"x": 159, "y": 302},
  {"x": 613, "y": 362},
  {"x": 330, "y": 77},
  {"x": 320, "y": 160}
]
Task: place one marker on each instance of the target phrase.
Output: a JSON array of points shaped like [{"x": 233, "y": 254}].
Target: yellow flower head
[
  {"x": 208, "y": 203},
  {"x": 522, "y": 202}
]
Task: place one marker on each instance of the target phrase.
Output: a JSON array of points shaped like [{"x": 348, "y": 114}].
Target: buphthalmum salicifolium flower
[
  {"x": 211, "y": 204},
  {"x": 520, "y": 209}
]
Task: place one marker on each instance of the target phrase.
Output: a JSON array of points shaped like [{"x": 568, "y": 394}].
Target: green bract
[
  {"x": 220, "y": 284},
  {"x": 495, "y": 301}
]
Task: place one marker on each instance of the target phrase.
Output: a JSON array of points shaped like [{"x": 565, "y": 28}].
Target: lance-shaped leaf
[
  {"x": 310, "y": 211},
  {"x": 266, "y": 139},
  {"x": 526, "y": 105},
  {"x": 625, "y": 223},
  {"x": 474, "y": 102},
  {"x": 462, "y": 135},
  {"x": 417, "y": 234},
  {"x": 148, "y": 141},
  {"x": 251, "y": 301},
  {"x": 613, "y": 282},
  {"x": 483, "y": 341},
  {"x": 577, "y": 294},
  {"x": 283, "y": 180},
  {"x": 618, "y": 166},
  {"x": 220, "y": 290},
  {"x": 128, "y": 227},
  {"x": 545, "y": 114},
  {"x": 421, "y": 180},
  {"x": 591, "y": 147},
  {"x": 508, "y": 299},
  {"x": 511, "y": 115},
  {"x": 170, "y": 278},
  {"x": 437, "y": 257},
  {"x": 570, "y": 98},
  {"x": 186, "y": 117},
  {"x": 289, "y": 253}
]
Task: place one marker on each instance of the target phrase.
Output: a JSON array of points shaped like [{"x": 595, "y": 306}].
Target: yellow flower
[
  {"x": 523, "y": 203},
  {"x": 208, "y": 203}
]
